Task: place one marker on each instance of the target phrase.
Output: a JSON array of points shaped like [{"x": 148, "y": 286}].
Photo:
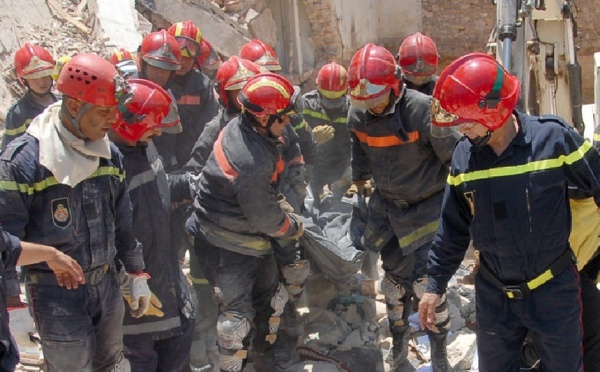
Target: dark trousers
[
  {"x": 244, "y": 285},
  {"x": 166, "y": 355},
  {"x": 81, "y": 329},
  {"x": 551, "y": 314}
]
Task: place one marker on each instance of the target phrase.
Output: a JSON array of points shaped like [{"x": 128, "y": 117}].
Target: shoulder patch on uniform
[
  {"x": 61, "y": 212},
  {"x": 10, "y": 151}
]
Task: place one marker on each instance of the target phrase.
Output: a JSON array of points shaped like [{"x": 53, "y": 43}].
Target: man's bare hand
[
  {"x": 68, "y": 272},
  {"x": 427, "y": 307}
]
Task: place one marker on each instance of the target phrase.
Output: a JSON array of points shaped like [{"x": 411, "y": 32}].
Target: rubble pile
[
  {"x": 71, "y": 32},
  {"x": 346, "y": 327}
]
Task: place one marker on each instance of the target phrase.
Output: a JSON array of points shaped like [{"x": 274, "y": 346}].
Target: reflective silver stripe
[
  {"x": 140, "y": 179},
  {"x": 158, "y": 326}
]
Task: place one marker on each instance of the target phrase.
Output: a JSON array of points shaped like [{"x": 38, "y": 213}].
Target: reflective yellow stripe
[
  {"x": 51, "y": 181},
  {"x": 301, "y": 125},
  {"x": 541, "y": 279},
  {"x": 331, "y": 94},
  {"x": 198, "y": 280},
  {"x": 596, "y": 137},
  {"x": 414, "y": 236},
  {"x": 521, "y": 169},
  {"x": 21, "y": 129},
  {"x": 320, "y": 115}
]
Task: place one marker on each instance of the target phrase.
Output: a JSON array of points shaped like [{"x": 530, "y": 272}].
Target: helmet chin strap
[
  {"x": 481, "y": 140},
  {"x": 75, "y": 120}
]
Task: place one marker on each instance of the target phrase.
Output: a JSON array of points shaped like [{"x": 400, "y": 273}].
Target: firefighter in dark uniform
[
  {"x": 161, "y": 339},
  {"x": 33, "y": 66},
  {"x": 325, "y": 109},
  {"x": 262, "y": 54},
  {"x": 63, "y": 184},
  {"x": 192, "y": 90},
  {"x": 391, "y": 142},
  {"x": 418, "y": 59},
  {"x": 237, "y": 219},
  {"x": 231, "y": 77},
  {"x": 507, "y": 191}
]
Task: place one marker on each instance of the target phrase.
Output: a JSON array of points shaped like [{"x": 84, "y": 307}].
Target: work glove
[
  {"x": 299, "y": 224},
  {"x": 136, "y": 292},
  {"x": 284, "y": 205},
  {"x": 360, "y": 187},
  {"x": 323, "y": 133}
]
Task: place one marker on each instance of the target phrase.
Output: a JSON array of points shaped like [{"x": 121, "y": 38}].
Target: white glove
[{"x": 134, "y": 288}]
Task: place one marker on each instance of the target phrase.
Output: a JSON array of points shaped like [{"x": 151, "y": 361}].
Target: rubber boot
[
  {"x": 398, "y": 356},
  {"x": 439, "y": 355}
]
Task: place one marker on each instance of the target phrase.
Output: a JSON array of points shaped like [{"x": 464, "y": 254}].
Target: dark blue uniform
[
  {"x": 10, "y": 250},
  {"x": 19, "y": 115},
  {"x": 152, "y": 341},
  {"x": 515, "y": 208}
]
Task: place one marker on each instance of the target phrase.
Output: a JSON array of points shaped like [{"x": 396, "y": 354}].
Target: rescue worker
[
  {"x": 14, "y": 252},
  {"x": 161, "y": 339},
  {"x": 192, "y": 90},
  {"x": 33, "y": 66},
  {"x": 507, "y": 191},
  {"x": 263, "y": 55},
  {"x": 230, "y": 79},
  {"x": 391, "y": 142},
  {"x": 238, "y": 222},
  {"x": 418, "y": 59},
  {"x": 62, "y": 184},
  {"x": 209, "y": 60},
  {"x": 158, "y": 59},
  {"x": 325, "y": 109}
]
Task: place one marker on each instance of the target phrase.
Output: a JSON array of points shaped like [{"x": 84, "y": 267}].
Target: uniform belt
[
  {"x": 517, "y": 291},
  {"x": 407, "y": 203},
  {"x": 92, "y": 277}
]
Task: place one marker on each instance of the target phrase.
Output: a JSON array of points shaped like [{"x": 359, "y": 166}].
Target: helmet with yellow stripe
[
  {"x": 267, "y": 94},
  {"x": 332, "y": 81},
  {"x": 161, "y": 50},
  {"x": 188, "y": 36},
  {"x": 233, "y": 75},
  {"x": 474, "y": 88},
  {"x": 121, "y": 55}
]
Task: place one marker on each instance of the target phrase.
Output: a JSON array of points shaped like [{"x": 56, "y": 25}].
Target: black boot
[
  {"x": 439, "y": 355},
  {"x": 398, "y": 356}
]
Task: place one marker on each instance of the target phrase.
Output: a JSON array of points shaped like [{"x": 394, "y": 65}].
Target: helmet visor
[
  {"x": 368, "y": 102},
  {"x": 189, "y": 48}
]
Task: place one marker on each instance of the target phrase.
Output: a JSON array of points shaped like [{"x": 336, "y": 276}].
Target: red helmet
[
  {"x": 474, "y": 88},
  {"x": 261, "y": 53},
  {"x": 267, "y": 94},
  {"x": 208, "y": 58},
  {"x": 373, "y": 72},
  {"x": 233, "y": 75},
  {"x": 147, "y": 108},
  {"x": 90, "y": 78},
  {"x": 159, "y": 49},
  {"x": 121, "y": 55},
  {"x": 418, "y": 55},
  {"x": 332, "y": 81},
  {"x": 33, "y": 62},
  {"x": 188, "y": 36}
]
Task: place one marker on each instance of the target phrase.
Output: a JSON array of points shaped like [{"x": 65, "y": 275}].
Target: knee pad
[
  {"x": 419, "y": 287},
  {"x": 280, "y": 298},
  {"x": 295, "y": 275},
  {"x": 232, "y": 330},
  {"x": 395, "y": 298}
]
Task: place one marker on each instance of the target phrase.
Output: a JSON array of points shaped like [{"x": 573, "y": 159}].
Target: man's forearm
[{"x": 32, "y": 253}]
